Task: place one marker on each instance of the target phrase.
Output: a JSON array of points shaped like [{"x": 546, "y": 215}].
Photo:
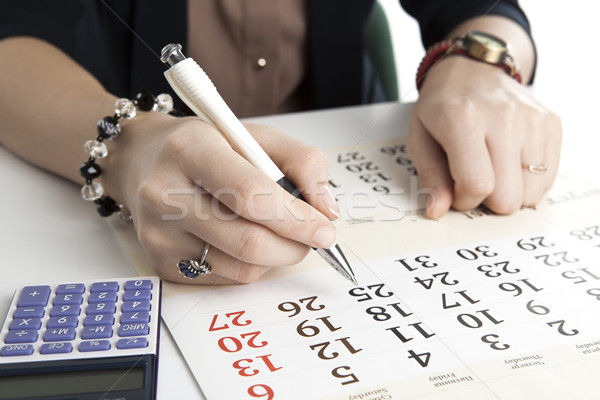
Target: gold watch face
[{"x": 485, "y": 47}]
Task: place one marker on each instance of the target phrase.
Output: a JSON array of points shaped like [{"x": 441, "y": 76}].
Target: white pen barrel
[{"x": 195, "y": 88}]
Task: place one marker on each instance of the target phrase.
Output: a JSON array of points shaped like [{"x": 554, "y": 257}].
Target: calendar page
[{"x": 473, "y": 306}]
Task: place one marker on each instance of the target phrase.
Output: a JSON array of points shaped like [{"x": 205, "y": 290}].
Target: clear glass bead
[
  {"x": 125, "y": 108},
  {"x": 164, "y": 103},
  {"x": 92, "y": 191},
  {"x": 125, "y": 214},
  {"x": 95, "y": 149}
]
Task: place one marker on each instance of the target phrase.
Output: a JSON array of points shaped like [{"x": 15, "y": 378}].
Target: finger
[
  {"x": 243, "y": 240},
  {"x": 225, "y": 270},
  {"x": 505, "y": 154},
  {"x": 304, "y": 165},
  {"x": 541, "y": 149},
  {"x": 432, "y": 168},
  {"x": 468, "y": 157},
  {"x": 210, "y": 162}
]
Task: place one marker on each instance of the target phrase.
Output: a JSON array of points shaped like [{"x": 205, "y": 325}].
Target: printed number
[
  {"x": 311, "y": 330},
  {"x": 513, "y": 287},
  {"x": 372, "y": 178},
  {"x": 491, "y": 270},
  {"x": 588, "y": 233},
  {"x": 362, "y": 166},
  {"x": 472, "y": 321},
  {"x": 330, "y": 356},
  {"x": 423, "y": 261},
  {"x": 235, "y": 321},
  {"x": 376, "y": 289},
  {"x": 463, "y": 293},
  {"x": 494, "y": 344},
  {"x": 580, "y": 279},
  {"x": 295, "y": 308},
  {"x": 428, "y": 283},
  {"x": 393, "y": 150},
  {"x": 380, "y": 314},
  {"x": 533, "y": 243},
  {"x": 423, "y": 362},
  {"x": 336, "y": 372},
  {"x": 246, "y": 371},
  {"x": 472, "y": 255},
  {"x": 537, "y": 309},
  {"x": 350, "y": 156},
  {"x": 561, "y": 328},
  {"x": 417, "y": 325},
  {"x": 556, "y": 259},
  {"x": 594, "y": 292},
  {"x": 261, "y": 391},
  {"x": 232, "y": 344}
]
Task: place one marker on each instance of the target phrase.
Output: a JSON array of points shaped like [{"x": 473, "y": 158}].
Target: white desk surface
[{"x": 49, "y": 234}]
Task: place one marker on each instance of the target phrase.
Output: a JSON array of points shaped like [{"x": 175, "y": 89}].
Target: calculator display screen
[{"x": 67, "y": 383}]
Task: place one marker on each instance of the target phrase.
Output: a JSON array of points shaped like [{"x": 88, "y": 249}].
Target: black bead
[
  {"x": 108, "y": 127},
  {"x": 106, "y": 206},
  {"x": 145, "y": 101},
  {"x": 90, "y": 170}
]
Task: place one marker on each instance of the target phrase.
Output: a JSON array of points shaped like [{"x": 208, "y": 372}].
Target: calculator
[{"x": 82, "y": 341}]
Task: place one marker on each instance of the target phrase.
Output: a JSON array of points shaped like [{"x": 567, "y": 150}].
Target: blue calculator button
[
  {"x": 101, "y": 308},
  {"x": 94, "y": 345},
  {"x": 59, "y": 334},
  {"x": 130, "y": 295},
  {"x": 132, "y": 343},
  {"x": 16, "y": 350},
  {"x": 34, "y": 296},
  {"x": 26, "y": 312},
  {"x": 132, "y": 306},
  {"x": 99, "y": 319},
  {"x": 65, "y": 310},
  {"x": 128, "y": 318},
  {"x": 22, "y": 336},
  {"x": 102, "y": 297},
  {"x": 104, "y": 287},
  {"x": 65, "y": 299},
  {"x": 139, "y": 329},
  {"x": 70, "y": 288},
  {"x": 25, "y": 323},
  {"x": 56, "y": 348},
  {"x": 67, "y": 321},
  {"x": 96, "y": 332},
  {"x": 142, "y": 284}
]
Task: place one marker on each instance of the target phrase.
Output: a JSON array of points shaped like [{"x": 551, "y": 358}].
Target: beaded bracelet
[{"x": 109, "y": 128}]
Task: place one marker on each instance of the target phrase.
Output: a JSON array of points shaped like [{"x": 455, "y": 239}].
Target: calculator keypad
[{"x": 81, "y": 318}]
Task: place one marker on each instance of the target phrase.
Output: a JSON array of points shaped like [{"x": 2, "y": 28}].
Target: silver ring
[
  {"x": 536, "y": 169},
  {"x": 196, "y": 266}
]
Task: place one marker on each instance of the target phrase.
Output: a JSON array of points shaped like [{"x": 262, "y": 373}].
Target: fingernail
[
  {"x": 324, "y": 237},
  {"x": 330, "y": 202}
]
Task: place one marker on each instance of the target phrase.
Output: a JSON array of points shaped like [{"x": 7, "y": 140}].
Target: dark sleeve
[
  {"x": 53, "y": 21},
  {"x": 437, "y": 18}
]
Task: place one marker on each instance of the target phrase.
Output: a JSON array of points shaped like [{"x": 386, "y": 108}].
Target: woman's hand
[
  {"x": 473, "y": 132},
  {"x": 185, "y": 187}
]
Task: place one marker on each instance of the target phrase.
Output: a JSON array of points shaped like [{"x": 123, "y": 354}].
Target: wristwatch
[{"x": 480, "y": 46}]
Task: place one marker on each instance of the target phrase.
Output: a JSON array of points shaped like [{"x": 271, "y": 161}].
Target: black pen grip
[{"x": 290, "y": 188}]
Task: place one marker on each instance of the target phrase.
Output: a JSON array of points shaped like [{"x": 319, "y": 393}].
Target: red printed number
[{"x": 234, "y": 321}]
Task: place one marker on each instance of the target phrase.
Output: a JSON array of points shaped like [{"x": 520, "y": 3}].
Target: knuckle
[
  {"x": 476, "y": 187},
  {"x": 251, "y": 244},
  {"x": 151, "y": 239}
]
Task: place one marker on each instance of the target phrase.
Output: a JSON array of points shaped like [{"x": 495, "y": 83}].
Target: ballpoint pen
[{"x": 195, "y": 88}]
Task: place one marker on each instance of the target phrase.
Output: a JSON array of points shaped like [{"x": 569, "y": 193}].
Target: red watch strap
[{"x": 446, "y": 47}]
